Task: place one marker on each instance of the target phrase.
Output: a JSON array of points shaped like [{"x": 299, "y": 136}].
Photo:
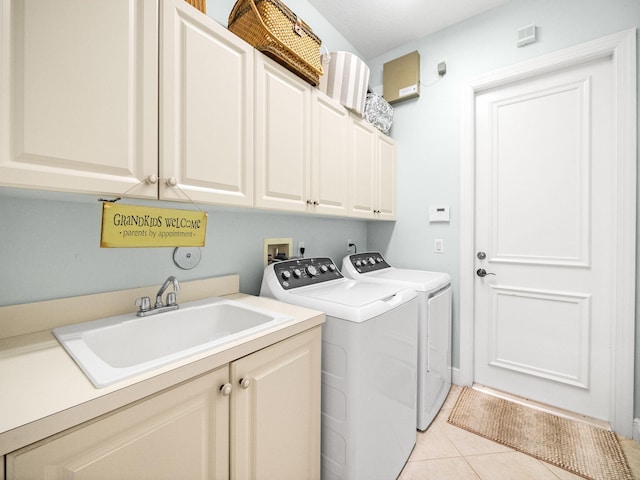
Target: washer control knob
[
  {"x": 297, "y": 273},
  {"x": 378, "y": 259},
  {"x": 371, "y": 261},
  {"x": 323, "y": 269},
  {"x": 358, "y": 263},
  {"x": 286, "y": 274},
  {"x": 332, "y": 267},
  {"x": 312, "y": 271}
]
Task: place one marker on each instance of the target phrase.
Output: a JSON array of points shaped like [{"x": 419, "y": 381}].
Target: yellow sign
[{"x": 139, "y": 226}]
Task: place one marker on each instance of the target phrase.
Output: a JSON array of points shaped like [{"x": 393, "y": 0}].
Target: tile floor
[{"x": 445, "y": 452}]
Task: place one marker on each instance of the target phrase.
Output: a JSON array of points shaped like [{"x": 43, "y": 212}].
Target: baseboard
[
  {"x": 636, "y": 430},
  {"x": 456, "y": 377}
]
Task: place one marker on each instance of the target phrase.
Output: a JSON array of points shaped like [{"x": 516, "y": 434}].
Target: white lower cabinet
[
  {"x": 179, "y": 433},
  {"x": 275, "y": 411},
  {"x": 265, "y": 426}
]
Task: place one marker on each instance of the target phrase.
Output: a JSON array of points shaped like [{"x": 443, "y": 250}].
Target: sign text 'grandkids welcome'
[{"x": 140, "y": 226}]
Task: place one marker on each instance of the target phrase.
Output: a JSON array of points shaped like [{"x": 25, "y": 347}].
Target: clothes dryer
[
  {"x": 434, "y": 324},
  {"x": 369, "y": 366}
]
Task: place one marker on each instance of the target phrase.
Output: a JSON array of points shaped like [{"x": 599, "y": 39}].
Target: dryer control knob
[
  {"x": 286, "y": 275},
  {"x": 312, "y": 271},
  {"x": 323, "y": 269},
  {"x": 332, "y": 267},
  {"x": 358, "y": 263},
  {"x": 297, "y": 273},
  {"x": 371, "y": 261}
]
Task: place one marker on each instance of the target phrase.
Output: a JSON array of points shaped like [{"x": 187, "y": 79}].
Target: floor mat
[{"x": 586, "y": 450}]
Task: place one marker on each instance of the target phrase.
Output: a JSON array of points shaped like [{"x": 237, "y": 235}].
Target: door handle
[{"x": 481, "y": 272}]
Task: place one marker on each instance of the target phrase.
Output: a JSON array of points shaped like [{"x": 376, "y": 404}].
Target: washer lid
[
  {"x": 346, "y": 292},
  {"x": 420, "y": 280}
]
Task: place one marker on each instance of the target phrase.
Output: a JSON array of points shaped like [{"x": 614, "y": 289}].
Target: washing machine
[
  {"x": 434, "y": 324},
  {"x": 369, "y": 366}
]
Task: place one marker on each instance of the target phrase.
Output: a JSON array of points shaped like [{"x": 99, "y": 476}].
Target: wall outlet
[{"x": 438, "y": 245}]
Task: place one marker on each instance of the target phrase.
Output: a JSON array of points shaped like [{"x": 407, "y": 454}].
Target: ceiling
[{"x": 374, "y": 27}]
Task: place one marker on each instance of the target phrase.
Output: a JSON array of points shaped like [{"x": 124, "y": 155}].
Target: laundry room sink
[{"x": 112, "y": 349}]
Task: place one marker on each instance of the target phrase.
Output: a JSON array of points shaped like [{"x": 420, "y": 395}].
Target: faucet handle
[
  {"x": 171, "y": 299},
  {"x": 144, "y": 303}
]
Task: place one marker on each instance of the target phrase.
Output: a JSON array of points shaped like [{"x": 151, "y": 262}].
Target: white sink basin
[{"x": 112, "y": 349}]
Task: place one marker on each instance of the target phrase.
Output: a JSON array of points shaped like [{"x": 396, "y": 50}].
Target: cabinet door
[
  {"x": 363, "y": 175},
  {"x": 386, "y": 188},
  {"x": 275, "y": 426},
  {"x": 329, "y": 156},
  {"x": 79, "y": 95},
  {"x": 181, "y": 433},
  {"x": 282, "y": 144},
  {"x": 206, "y": 109}
]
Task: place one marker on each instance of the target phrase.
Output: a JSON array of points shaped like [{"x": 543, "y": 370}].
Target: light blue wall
[
  {"x": 51, "y": 246},
  {"x": 427, "y": 130}
]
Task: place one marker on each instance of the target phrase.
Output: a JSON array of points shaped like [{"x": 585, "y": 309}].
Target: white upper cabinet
[
  {"x": 282, "y": 138},
  {"x": 206, "y": 110},
  {"x": 301, "y": 145},
  {"x": 386, "y": 182},
  {"x": 78, "y": 86},
  {"x": 329, "y": 156},
  {"x": 154, "y": 99},
  {"x": 373, "y": 172}
]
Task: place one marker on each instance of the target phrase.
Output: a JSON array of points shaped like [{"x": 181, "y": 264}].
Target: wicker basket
[
  {"x": 271, "y": 27},
  {"x": 199, "y": 4}
]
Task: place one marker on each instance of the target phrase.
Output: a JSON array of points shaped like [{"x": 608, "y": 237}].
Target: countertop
[{"x": 44, "y": 392}]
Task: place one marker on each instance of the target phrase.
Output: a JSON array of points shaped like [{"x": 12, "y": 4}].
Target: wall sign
[{"x": 139, "y": 226}]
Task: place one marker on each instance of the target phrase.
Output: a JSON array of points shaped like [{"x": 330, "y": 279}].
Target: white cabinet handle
[
  {"x": 172, "y": 182},
  {"x": 152, "y": 179},
  {"x": 245, "y": 382},
  {"x": 226, "y": 389}
]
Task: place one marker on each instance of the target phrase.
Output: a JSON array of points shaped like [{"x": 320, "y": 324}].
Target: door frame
[{"x": 621, "y": 47}]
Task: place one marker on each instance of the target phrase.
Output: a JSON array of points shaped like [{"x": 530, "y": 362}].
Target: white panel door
[
  {"x": 79, "y": 95},
  {"x": 545, "y": 203}
]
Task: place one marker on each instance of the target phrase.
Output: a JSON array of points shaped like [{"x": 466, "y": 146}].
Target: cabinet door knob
[
  {"x": 245, "y": 382},
  {"x": 172, "y": 182},
  {"x": 226, "y": 389},
  {"x": 152, "y": 179}
]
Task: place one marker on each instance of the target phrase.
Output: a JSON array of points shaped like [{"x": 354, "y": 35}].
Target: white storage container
[{"x": 345, "y": 79}]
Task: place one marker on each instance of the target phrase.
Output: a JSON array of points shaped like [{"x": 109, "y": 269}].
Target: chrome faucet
[{"x": 144, "y": 303}]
